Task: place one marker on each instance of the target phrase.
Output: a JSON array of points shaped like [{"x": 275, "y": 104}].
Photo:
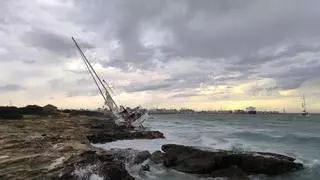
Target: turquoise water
[{"x": 287, "y": 134}]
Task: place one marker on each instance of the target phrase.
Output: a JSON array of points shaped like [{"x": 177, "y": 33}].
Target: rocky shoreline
[{"x": 60, "y": 148}]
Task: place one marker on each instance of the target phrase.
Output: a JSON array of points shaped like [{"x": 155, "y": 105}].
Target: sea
[{"x": 288, "y": 134}]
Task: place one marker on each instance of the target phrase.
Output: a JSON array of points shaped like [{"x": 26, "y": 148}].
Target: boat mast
[
  {"x": 107, "y": 98},
  {"x": 304, "y": 104},
  {"x": 90, "y": 70},
  {"x": 107, "y": 86}
]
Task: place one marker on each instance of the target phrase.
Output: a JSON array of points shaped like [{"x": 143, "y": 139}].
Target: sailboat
[
  {"x": 122, "y": 116},
  {"x": 303, "y": 104}
]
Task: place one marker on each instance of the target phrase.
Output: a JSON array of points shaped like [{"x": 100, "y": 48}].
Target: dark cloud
[
  {"x": 289, "y": 52},
  {"x": 205, "y": 28},
  {"x": 237, "y": 40},
  {"x": 177, "y": 83},
  {"x": 11, "y": 88},
  {"x": 53, "y": 42},
  {"x": 296, "y": 76},
  {"x": 295, "y": 68},
  {"x": 208, "y": 29},
  {"x": 245, "y": 29},
  {"x": 148, "y": 87},
  {"x": 263, "y": 91},
  {"x": 180, "y": 82}
]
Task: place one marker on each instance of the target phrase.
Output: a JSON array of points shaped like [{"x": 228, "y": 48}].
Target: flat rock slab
[
  {"x": 113, "y": 135},
  {"x": 216, "y": 162}
]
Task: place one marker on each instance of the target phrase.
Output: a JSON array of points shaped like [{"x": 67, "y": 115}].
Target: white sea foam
[
  {"x": 84, "y": 172},
  {"x": 159, "y": 172},
  {"x": 142, "y": 145},
  {"x": 312, "y": 163},
  {"x": 95, "y": 177}
]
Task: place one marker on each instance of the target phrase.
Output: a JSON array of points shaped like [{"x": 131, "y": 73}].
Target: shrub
[
  {"x": 87, "y": 113},
  {"x": 10, "y": 112},
  {"x": 32, "y": 110},
  {"x": 66, "y": 111}
]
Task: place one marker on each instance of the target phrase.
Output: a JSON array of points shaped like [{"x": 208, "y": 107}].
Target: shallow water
[{"x": 287, "y": 134}]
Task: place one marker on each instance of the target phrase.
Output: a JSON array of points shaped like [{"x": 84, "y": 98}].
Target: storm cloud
[
  {"x": 10, "y": 87},
  {"x": 164, "y": 46},
  {"x": 51, "y": 41},
  {"x": 255, "y": 32}
]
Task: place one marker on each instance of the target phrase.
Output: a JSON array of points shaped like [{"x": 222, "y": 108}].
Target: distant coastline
[
  {"x": 191, "y": 111},
  {"x": 196, "y": 112}
]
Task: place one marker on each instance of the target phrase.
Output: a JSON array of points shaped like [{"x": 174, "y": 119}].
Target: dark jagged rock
[
  {"x": 157, "y": 157},
  {"x": 104, "y": 137},
  {"x": 280, "y": 156},
  {"x": 233, "y": 172},
  {"x": 141, "y": 157},
  {"x": 216, "y": 162},
  {"x": 130, "y": 156},
  {"x": 89, "y": 164},
  {"x": 145, "y": 167},
  {"x": 147, "y": 135}
]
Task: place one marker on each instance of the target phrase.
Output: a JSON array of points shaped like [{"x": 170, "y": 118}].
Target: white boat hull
[
  {"x": 137, "y": 123},
  {"x": 305, "y": 114},
  {"x": 140, "y": 120}
]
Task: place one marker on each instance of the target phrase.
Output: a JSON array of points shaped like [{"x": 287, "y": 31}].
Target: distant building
[
  {"x": 251, "y": 110},
  {"x": 224, "y": 112},
  {"x": 239, "y": 111},
  {"x": 50, "y": 109},
  {"x": 184, "y": 110}
]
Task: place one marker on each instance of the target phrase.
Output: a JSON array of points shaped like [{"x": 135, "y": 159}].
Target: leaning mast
[
  {"x": 304, "y": 104},
  {"x": 107, "y": 97}
]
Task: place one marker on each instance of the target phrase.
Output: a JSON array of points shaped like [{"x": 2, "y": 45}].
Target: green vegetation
[
  {"x": 10, "y": 112},
  {"x": 35, "y": 111}
]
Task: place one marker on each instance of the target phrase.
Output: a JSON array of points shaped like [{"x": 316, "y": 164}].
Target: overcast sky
[{"x": 204, "y": 54}]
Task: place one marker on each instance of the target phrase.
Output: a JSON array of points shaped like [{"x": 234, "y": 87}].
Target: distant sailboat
[{"x": 304, "y": 109}]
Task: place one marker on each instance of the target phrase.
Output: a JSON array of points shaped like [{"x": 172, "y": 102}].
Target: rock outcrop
[
  {"x": 157, "y": 157},
  {"x": 60, "y": 148},
  {"x": 217, "y": 163},
  {"x": 90, "y": 164},
  {"x": 141, "y": 157},
  {"x": 130, "y": 156},
  {"x": 120, "y": 134}
]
